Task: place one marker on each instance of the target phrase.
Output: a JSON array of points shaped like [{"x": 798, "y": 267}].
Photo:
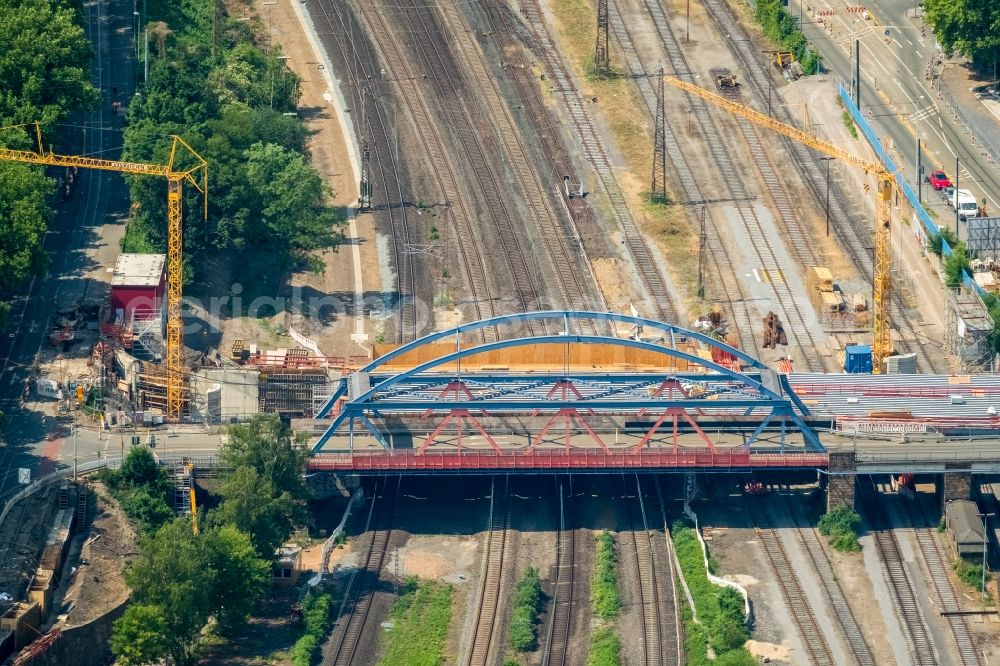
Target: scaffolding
[
  {"x": 967, "y": 330},
  {"x": 290, "y": 391}
]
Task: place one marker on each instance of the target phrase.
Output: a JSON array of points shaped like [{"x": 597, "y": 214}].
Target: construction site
[{"x": 611, "y": 267}]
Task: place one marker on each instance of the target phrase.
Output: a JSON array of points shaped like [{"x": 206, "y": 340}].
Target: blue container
[{"x": 858, "y": 359}]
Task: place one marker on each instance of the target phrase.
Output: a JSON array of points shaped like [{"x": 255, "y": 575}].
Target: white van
[{"x": 965, "y": 203}]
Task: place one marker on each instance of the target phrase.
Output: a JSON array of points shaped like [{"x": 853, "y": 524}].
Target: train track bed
[
  {"x": 643, "y": 558},
  {"x": 487, "y": 631},
  {"x": 357, "y": 625},
  {"x": 852, "y": 229},
  {"x": 923, "y": 648}
]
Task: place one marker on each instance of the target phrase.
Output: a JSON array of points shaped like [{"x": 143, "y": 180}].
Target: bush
[
  {"x": 141, "y": 487},
  {"x": 145, "y": 510},
  {"x": 604, "y": 592},
  {"x": 524, "y": 619},
  {"x": 605, "y": 648},
  {"x": 943, "y": 234},
  {"x": 955, "y": 266},
  {"x": 841, "y": 524},
  {"x": 720, "y": 609},
  {"x": 303, "y": 650},
  {"x": 970, "y": 574},
  {"x": 780, "y": 27}
]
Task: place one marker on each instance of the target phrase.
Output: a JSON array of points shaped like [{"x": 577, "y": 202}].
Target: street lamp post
[
  {"x": 954, "y": 198},
  {"x": 985, "y": 517}
]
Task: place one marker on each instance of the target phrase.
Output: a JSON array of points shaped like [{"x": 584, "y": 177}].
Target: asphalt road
[
  {"x": 31, "y": 435},
  {"x": 894, "y": 90}
]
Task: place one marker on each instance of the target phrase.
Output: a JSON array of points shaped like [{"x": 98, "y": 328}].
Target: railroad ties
[
  {"x": 361, "y": 592},
  {"x": 915, "y": 628},
  {"x": 489, "y": 593},
  {"x": 798, "y": 605},
  {"x": 557, "y": 643}
]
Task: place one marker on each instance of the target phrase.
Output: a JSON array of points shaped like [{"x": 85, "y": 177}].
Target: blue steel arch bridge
[{"x": 693, "y": 403}]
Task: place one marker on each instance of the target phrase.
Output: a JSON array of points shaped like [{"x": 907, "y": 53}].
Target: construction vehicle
[
  {"x": 175, "y": 267},
  {"x": 886, "y": 182}
]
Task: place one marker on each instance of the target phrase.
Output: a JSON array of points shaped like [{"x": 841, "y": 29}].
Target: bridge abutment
[
  {"x": 841, "y": 481},
  {"x": 956, "y": 485}
]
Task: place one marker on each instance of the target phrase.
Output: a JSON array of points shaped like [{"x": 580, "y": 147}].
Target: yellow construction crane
[
  {"x": 175, "y": 269},
  {"x": 886, "y": 181}
]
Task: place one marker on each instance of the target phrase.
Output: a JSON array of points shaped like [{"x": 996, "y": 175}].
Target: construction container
[
  {"x": 987, "y": 281},
  {"x": 821, "y": 278},
  {"x": 858, "y": 359},
  {"x": 831, "y": 302}
]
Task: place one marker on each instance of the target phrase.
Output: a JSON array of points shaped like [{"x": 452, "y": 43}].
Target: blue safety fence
[{"x": 930, "y": 228}]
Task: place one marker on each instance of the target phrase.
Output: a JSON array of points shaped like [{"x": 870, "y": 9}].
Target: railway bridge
[{"x": 545, "y": 392}]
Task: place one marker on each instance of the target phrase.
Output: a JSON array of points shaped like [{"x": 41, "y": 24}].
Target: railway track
[
  {"x": 757, "y": 233},
  {"x": 717, "y": 251},
  {"x": 661, "y": 641},
  {"x": 937, "y": 567},
  {"x": 397, "y": 71},
  {"x": 834, "y": 593},
  {"x": 813, "y": 639},
  {"x": 855, "y": 238},
  {"x": 568, "y": 262},
  {"x": 647, "y": 265},
  {"x": 360, "y": 593},
  {"x": 922, "y": 648},
  {"x": 388, "y": 198},
  {"x": 475, "y": 139},
  {"x": 557, "y": 640},
  {"x": 487, "y": 618}
]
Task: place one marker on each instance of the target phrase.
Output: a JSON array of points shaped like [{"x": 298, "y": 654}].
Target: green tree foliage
[
  {"x": 955, "y": 266},
  {"x": 227, "y": 97},
  {"x": 24, "y": 216},
  {"x": 781, "y": 28},
  {"x": 604, "y": 590},
  {"x": 140, "y": 636},
  {"x": 43, "y": 63},
  {"x": 527, "y": 604},
  {"x": 934, "y": 243},
  {"x": 252, "y": 504},
  {"x": 186, "y": 579},
  {"x": 141, "y": 487},
  {"x": 968, "y": 27},
  {"x": 841, "y": 524},
  {"x": 267, "y": 446}
]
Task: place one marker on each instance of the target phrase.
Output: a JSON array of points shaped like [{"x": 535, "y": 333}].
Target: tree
[
  {"x": 267, "y": 445},
  {"x": 239, "y": 577},
  {"x": 148, "y": 511},
  {"x": 171, "y": 575},
  {"x": 188, "y": 579},
  {"x": 139, "y": 636},
  {"x": 42, "y": 63},
  {"x": 968, "y": 27},
  {"x": 24, "y": 218},
  {"x": 252, "y": 504}
]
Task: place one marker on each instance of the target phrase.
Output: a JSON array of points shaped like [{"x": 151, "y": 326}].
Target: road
[
  {"x": 82, "y": 237},
  {"x": 897, "y": 96}
]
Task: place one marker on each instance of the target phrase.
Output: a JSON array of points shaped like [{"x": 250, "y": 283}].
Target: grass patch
[
  {"x": 619, "y": 104},
  {"x": 849, "y": 123},
  {"x": 841, "y": 525},
  {"x": 781, "y": 28},
  {"x": 524, "y": 619},
  {"x": 605, "y": 648},
  {"x": 604, "y": 590},
  {"x": 970, "y": 574},
  {"x": 420, "y": 618},
  {"x": 722, "y": 623}
]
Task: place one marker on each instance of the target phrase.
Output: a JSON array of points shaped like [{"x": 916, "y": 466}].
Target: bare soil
[{"x": 110, "y": 545}]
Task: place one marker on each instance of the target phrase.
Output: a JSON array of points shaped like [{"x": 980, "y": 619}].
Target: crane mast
[
  {"x": 886, "y": 181},
  {"x": 197, "y": 176}
]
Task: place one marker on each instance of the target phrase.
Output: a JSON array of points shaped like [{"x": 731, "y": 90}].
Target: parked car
[
  {"x": 966, "y": 204},
  {"x": 948, "y": 193},
  {"x": 938, "y": 180}
]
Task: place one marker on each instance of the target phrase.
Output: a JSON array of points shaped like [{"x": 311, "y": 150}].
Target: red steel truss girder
[
  {"x": 561, "y": 459},
  {"x": 460, "y": 416},
  {"x": 675, "y": 412},
  {"x": 568, "y": 416}
]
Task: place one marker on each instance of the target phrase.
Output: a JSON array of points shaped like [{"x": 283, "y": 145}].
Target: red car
[{"x": 938, "y": 180}]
